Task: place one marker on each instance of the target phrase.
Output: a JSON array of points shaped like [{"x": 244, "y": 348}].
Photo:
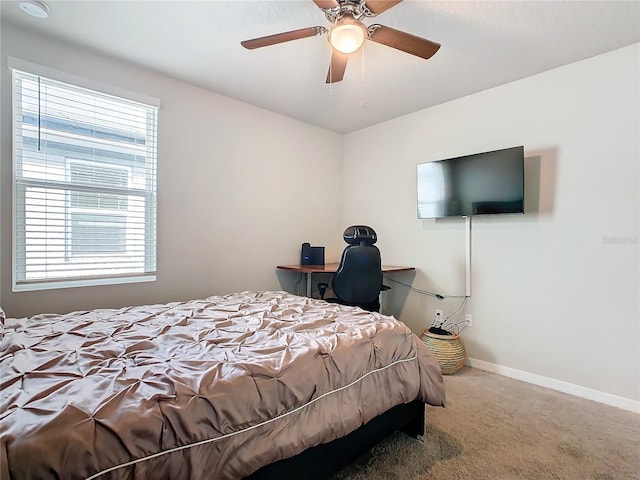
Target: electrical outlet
[{"x": 469, "y": 319}]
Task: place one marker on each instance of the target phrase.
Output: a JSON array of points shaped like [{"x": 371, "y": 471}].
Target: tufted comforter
[{"x": 212, "y": 388}]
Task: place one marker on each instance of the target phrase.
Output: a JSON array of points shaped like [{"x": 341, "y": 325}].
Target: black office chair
[{"x": 358, "y": 280}]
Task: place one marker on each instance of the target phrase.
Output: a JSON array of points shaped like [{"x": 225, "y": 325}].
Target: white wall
[
  {"x": 555, "y": 292},
  {"x": 233, "y": 188}
]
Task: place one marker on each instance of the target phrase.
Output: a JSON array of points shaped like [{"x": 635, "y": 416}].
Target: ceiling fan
[{"x": 347, "y": 33}]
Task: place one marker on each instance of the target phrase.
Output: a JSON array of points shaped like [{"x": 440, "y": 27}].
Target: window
[{"x": 84, "y": 184}]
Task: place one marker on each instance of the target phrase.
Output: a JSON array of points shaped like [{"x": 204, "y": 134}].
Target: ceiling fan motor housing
[{"x": 356, "y": 9}]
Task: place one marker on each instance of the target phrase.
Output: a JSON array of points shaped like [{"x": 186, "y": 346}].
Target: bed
[{"x": 226, "y": 387}]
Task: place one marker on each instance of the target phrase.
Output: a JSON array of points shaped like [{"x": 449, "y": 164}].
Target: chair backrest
[{"x": 358, "y": 280}]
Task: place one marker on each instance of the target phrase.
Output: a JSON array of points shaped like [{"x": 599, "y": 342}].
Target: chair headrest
[{"x": 360, "y": 235}]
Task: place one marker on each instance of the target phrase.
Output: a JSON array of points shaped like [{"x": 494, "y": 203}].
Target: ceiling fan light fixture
[{"x": 347, "y": 35}]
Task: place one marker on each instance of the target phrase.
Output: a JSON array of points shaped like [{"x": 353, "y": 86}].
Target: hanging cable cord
[
  {"x": 39, "y": 115},
  {"x": 424, "y": 292},
  {"x": 444, "y": 324},
  {"x": 447, "y": 325}
]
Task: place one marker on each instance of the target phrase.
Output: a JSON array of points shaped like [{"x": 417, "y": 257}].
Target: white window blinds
[{"x": 84, "y": 185}]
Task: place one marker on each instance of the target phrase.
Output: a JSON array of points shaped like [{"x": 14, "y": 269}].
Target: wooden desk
[{"x": 309, "y": 270}]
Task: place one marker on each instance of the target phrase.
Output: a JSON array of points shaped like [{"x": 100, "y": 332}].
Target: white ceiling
[{"x": 484, "y": 44}]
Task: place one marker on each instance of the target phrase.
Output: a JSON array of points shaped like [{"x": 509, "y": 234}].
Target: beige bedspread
[{"x": 212, "y": 388}]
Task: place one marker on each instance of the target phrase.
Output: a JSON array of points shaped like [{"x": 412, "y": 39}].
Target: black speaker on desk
[
  {"x": 311, "y": 255},
  {"x": 317, "y": 255}
]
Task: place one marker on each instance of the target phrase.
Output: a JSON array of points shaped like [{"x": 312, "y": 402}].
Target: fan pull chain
[
  {"x": 330, "y": 71},
  {"x": 362, "y": 101}
]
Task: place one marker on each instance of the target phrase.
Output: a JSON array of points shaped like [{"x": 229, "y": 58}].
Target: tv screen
[{"x": 478, "y": 184}]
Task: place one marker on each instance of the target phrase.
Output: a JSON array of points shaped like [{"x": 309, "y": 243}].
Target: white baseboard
[{"x": 565, "y": 387}]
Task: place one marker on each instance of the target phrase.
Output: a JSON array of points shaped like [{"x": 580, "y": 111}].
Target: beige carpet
[{"x": 498, "y": 428}]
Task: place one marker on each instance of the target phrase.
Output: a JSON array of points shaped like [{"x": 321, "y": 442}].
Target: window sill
[{"x": 87, "y": 282}]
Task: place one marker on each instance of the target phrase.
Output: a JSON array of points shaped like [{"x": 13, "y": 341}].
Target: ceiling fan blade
[
  {"x": 378, "y": 6},
  {"x": 282, "y": 37},
  {"x": 337, "y": 67},
  {"x": 421, "y": 47},
  {"x": 326, "y": 4}
]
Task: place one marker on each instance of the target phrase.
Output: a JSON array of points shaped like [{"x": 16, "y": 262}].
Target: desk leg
[{"x": 309, "y": 285}]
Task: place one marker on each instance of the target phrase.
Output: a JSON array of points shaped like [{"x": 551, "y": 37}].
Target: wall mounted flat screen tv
[{"x": 478, "y": 184}]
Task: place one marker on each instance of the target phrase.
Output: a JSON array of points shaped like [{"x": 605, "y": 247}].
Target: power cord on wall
[
  {"x": 444, "y": 324},
  {"x": 447, "y": 325}
]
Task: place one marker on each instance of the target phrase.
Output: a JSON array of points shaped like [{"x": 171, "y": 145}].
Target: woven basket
[{"x": 448, "y": 350}]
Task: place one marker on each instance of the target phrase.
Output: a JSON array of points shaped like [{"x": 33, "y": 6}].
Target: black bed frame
[{"x": 323, "y": 461}]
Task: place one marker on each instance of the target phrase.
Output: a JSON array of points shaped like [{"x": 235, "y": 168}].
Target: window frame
[{"x": 148, "y": 195}]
